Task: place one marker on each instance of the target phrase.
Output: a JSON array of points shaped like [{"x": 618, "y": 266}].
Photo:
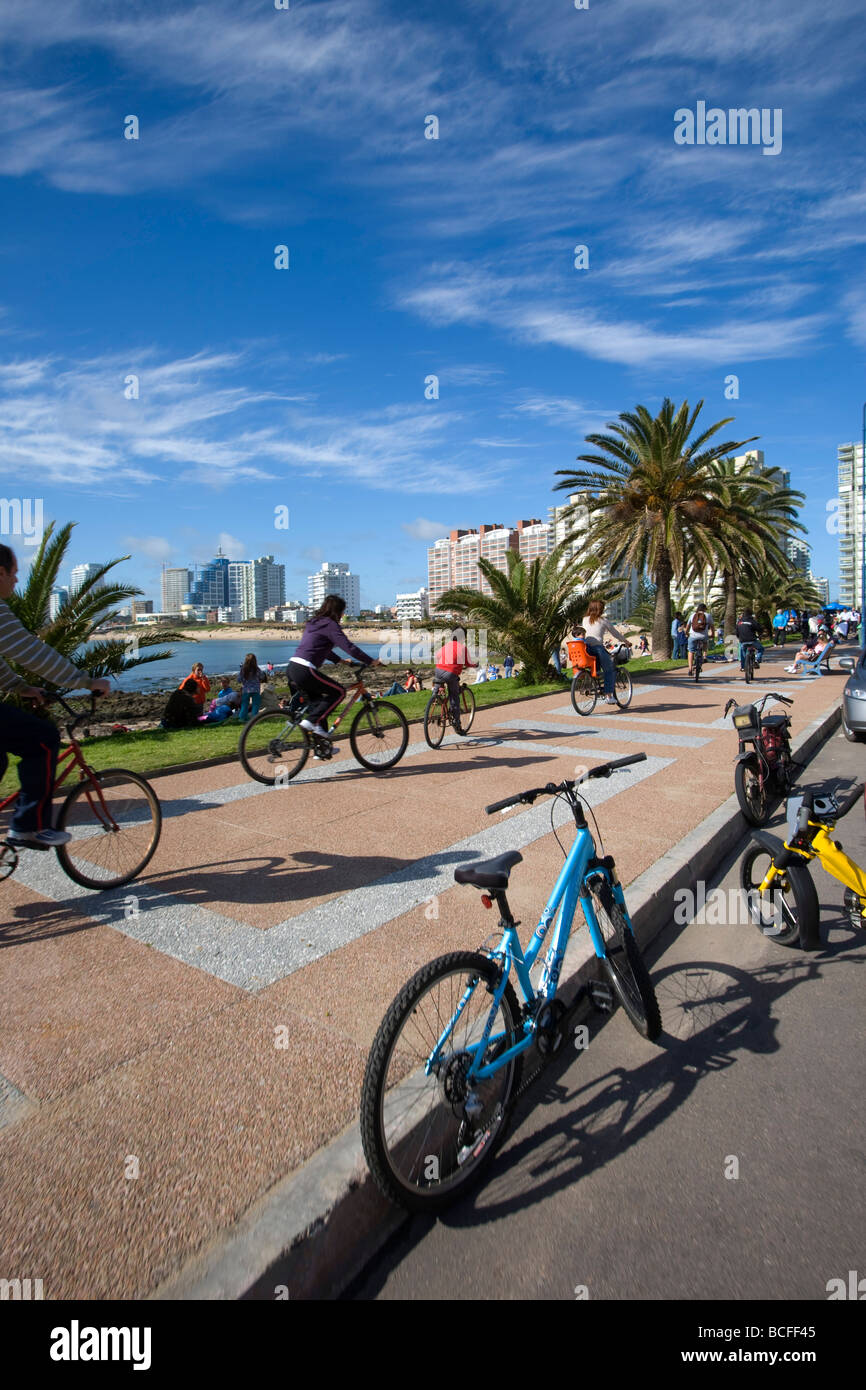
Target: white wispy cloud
[{"x": 421, "y": 529}]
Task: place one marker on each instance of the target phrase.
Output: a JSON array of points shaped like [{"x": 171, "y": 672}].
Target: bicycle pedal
[{"x": 601, "y": 996}]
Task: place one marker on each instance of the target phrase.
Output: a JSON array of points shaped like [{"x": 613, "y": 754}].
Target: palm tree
[
  {"x": 90, "y": 606},
  {"x": 531, "y": 607},
  {"x": 767, "y": 589},
  {"x": 652, "y": 499},
  {"x": 757, "y": 513}
]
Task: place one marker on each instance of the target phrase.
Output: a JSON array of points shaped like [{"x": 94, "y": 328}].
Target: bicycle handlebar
[
  {"x": 554, "y": 788},
  {"x": 842, "y": 810}
]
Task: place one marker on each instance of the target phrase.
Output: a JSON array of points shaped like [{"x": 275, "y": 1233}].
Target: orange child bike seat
[{"x": 580, "y": 658}]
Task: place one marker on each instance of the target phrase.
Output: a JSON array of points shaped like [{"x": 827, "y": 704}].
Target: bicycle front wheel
[
  {"x": 623, "y": 690},
  {"x": 114, "y": 829},
  {"x": 422, "y": 1147},
  {"x": 751, "y": 792},
  {"x": 273, "y": 749},
  {"x": 379, "y": 735},
  {"x": 749, "y": 667},
  {"x": 584, "y": 693},
  {"x": 624, "y": 963},
  {"x": 789, "y": 912},
  {"x": 435, "y": 720},
  {"x": 467, "y": 707}
]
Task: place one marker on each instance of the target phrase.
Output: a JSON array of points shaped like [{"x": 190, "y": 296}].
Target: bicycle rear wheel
[
  {"x": 421, "y": 1147},
  {"x": 273, "y": 749},
  {"x": 624, "y": 963},
  {"x": 623, "y": 690},
  {"x": 467, "y": 707},
  {"x": 111, "y": 842},
  {"x": 584, "y": 692},
  {"x": 698, "y": 663},
  {"x": 749, "y": 665},
  {"x": 379, "y": 735},
  {"x": 435, "y": 721}
]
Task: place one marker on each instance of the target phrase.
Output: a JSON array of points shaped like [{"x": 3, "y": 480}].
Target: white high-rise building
[
  {"x": 58, "y": 599},
  {"x": 81, "y": 574},
  {"x": 797, "y": 552},
  {"x": 576, "y": 526},
  {"x": 335, "y": 578},
  {"x": 264, "y": 586},
  {"x": 176, "y": 584},
  {"x": 235, "y": 579},
  {"x": 410, "y": 607},
  {"x": 823, "y": 587},
  {"x": 850, "y": 523}
]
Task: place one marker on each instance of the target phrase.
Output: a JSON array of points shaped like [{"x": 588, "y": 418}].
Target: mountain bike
[
  {"x": 446, "y": 1063},
  {"x": 698, "y": 659},
  {"x": 114, "y": 818},
  {"x": 273, "y": 747},
  {"x": 437, "y": 715},
  {"x": 783, "y": 903},
  {"x": 587, "y": 687}
]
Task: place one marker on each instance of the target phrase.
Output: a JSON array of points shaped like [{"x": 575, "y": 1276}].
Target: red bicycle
[{"x": 114, "y": 818}]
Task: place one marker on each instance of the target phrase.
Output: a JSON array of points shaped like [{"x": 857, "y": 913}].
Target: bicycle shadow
[{"x": 711, "y": 1012}]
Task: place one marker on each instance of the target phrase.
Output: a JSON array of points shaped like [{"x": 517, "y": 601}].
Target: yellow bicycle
[{"x": 774, "y": 873}]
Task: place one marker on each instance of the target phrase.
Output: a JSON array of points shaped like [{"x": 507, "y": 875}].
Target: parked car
[{"x": 854, "y": 698}]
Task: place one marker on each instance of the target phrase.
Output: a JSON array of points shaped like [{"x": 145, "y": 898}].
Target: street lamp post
[{"x": 862, "y": 605}]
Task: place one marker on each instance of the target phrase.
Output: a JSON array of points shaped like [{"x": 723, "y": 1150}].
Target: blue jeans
[
  {"x": 557, "y": 664},
  {"x": 606, "y": 661},
  {"x": 395, "y": 688},
  {"x": 679, "y": 645},
  {"x": 759, "y": 652},
  {"x": 250, "y": 701}
]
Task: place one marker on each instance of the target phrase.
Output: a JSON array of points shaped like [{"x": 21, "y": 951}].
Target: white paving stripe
[
  {"x": 724, "y": 722},
  {"x": 252, "y": 957},
  {"x": 616, "y": 734}
]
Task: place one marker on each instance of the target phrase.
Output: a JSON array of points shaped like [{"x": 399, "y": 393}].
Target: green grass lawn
[{"x": 154, "y": 749}]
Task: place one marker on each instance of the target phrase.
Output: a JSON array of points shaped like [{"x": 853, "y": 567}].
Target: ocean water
[{"x": 220, "y": 658}]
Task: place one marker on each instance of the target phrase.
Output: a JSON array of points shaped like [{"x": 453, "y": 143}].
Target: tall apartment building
[
  {"x": 209, "y": 588},
  {"x": 58, "y": 599},
  {"x": 571, "y": 532},
  {"x": 822, "y": 585},
  {"x": 81, "y": 573},
  {"x": 235, "y": 580},
  {"x": 335, "y": 578},
  {"x": 176, "y": 584},
  {"x": 452, "y": 562},
  {"x": 264, "y": 586},
  {"x": 139, "y": 606},
  {"x": 410, "y": 607},
  {"x": 850, "y": 521},
  {"x": 797, "y": 552}
]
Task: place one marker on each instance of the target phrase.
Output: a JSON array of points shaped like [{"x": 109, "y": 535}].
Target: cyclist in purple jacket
[{"x": 321, "y": 635}]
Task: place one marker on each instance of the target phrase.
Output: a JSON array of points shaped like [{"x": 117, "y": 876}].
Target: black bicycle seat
[
  {"x": 774, "y": 721},
  {"x": 493, "y": 873}
]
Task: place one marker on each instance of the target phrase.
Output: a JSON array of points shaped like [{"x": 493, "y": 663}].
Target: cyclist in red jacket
[{"x": 449, "y": 661}]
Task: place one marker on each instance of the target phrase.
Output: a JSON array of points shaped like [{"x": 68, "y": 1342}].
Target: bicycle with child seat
[
  {"x": 587, "y": 687},
  {"x": 445, "y": 1067},
  {"x": 437, "y": 715},
  {"x": 113, "y": 816},
  {"x": 783, "y": 902},
  {"x": 273, "y": 747}
]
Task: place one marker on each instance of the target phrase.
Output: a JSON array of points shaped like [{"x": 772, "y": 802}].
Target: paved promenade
[{"x": 170, "y": 1051}]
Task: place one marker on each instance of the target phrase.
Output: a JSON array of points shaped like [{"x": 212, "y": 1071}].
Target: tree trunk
[
  {"x": 662, "y": 641},
  {"x": 730, "y": 601}
]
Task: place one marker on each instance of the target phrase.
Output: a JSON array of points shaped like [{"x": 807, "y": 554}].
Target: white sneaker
[
  {"x": 792, "y": 669},
  {"x": 309, "y": 726},
  {"x": 44, "y": 839}
]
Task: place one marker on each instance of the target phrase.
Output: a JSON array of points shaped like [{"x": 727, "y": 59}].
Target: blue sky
[{"x": 261, "y": 388}]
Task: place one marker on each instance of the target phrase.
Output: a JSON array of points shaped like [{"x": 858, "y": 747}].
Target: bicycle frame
[
  {"x": 73, "y": 757},
  {"x": 834, "y": 861},
  {"x": 580, "y": 861}
]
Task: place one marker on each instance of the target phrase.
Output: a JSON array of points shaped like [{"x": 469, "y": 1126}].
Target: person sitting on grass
[
  {"x": 223, "y": 706},
  {"x": 182, "y": 710},
  {"x": 202, "y": 684},
  {"x": 410, "y": 683}
]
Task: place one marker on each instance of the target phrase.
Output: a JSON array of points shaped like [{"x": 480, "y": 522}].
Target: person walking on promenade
[
  {"x": 678, "y": 633},
  {"x": 448, "y": 663},
  {"x": 322, "y": 634},
  {"x": 34, "y": 741},
  {"x": 597, "y": 628},
  {"x": 780, "y": 627},
  {"x": 251, "y": 678},
  {"x": 509, "y": 666}
]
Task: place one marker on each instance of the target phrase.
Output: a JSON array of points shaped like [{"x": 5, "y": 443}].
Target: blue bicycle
[{"x": 446, "y": 1064}]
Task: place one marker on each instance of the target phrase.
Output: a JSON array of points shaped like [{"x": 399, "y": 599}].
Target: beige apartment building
[{"x": 453, "y": 561}]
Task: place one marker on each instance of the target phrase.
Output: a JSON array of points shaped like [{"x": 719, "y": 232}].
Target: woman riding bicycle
[
  {"x": 597, "y": 628},
  {"x": 35, "y": 741},
  {"x": 321, "y": 635}
]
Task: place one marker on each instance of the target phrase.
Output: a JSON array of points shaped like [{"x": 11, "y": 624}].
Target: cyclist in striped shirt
[{"x": 35, "y": 741}]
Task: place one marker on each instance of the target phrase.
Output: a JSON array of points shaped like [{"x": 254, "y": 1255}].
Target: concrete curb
[{"x": 316, "y": 1230}]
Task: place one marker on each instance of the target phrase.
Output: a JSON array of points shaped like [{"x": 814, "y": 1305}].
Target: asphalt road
[{"x": 723, "y": 1162}]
